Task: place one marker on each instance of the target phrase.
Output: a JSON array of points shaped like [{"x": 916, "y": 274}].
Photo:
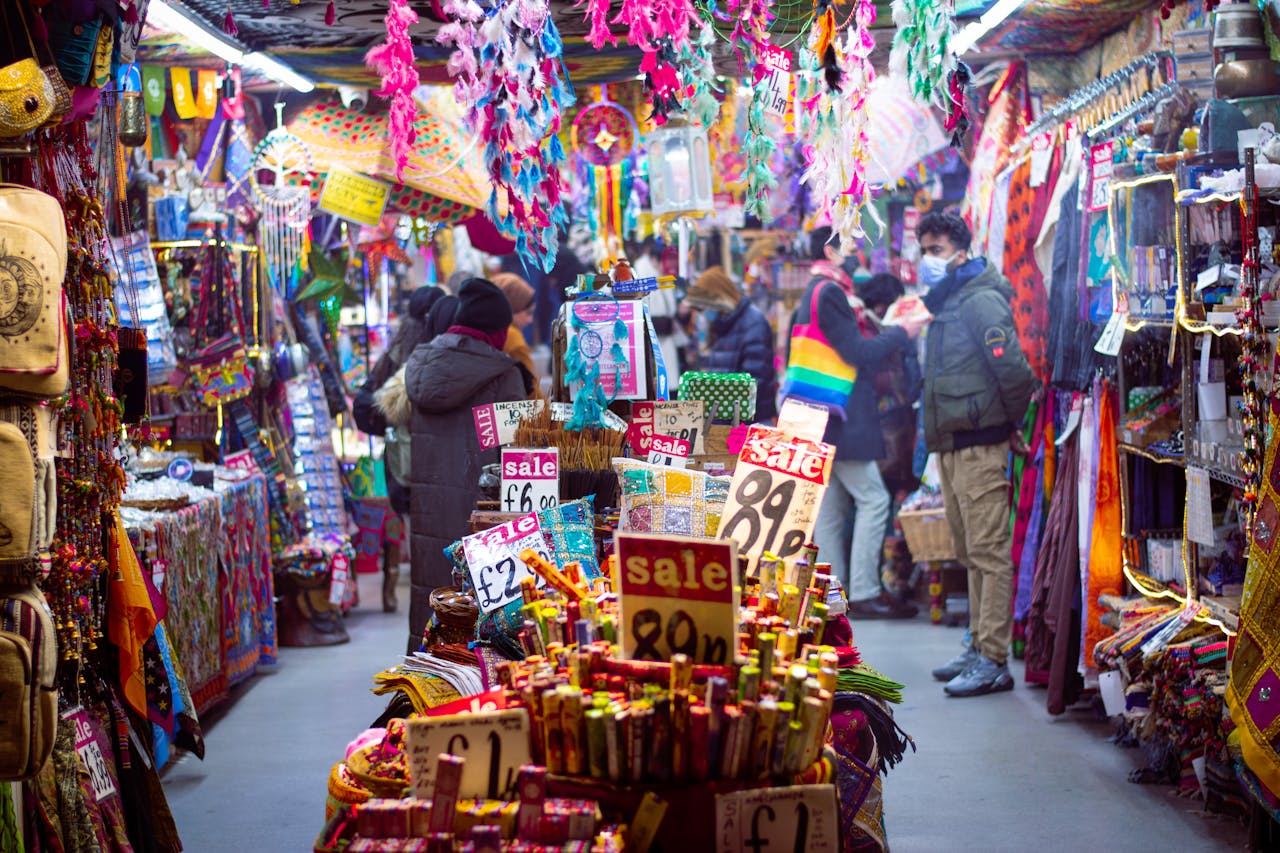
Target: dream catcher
[
  {"x": 281, "y": 177},
  {"x": 597, "y": 333},
  {"x": 604, "y": 140}
]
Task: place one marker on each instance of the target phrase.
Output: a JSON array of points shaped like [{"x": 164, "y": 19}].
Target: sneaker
[
  {"x": 956, "y": 665},
  {"x": 982, "y": 677}
]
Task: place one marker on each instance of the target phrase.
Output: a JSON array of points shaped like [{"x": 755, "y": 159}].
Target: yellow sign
[{"x": 351, "y": 195}]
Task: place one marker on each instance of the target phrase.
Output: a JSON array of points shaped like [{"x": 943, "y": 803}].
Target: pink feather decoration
[
  {"x": 597, "y": 18},
  {"x": 394, "y": 62},
  {"x": 330, "y": 15}
]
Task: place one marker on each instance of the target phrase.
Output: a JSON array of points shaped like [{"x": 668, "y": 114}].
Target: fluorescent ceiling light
[
  {"x": 175, "y": 19},
  {"x": 278, "y": 71},
  {"x": 992, "y": 18},
  {"x": 166, "y": 17}
]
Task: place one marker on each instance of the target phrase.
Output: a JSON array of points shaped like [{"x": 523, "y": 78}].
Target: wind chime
[
  {"x": 604, "y": 138},
  {"x": 281, "y": 176}
]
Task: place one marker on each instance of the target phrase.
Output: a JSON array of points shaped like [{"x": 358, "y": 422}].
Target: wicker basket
[{"x": 928, "y": 535}]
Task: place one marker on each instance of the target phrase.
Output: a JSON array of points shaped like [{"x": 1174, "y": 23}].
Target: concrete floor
[{"x": 991, "y": 774}]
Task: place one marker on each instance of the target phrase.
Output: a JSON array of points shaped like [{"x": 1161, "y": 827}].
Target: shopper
[
  {"x": 739, "y": 337},
  {"x": 521, "y": 298},
  {"x": 836, "y": 370},
  {"x": 463, "y": 368},
  {"x": 976, "y": 390}
]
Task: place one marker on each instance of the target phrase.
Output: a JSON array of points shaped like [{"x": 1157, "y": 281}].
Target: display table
[{"x": 211, "y": 562}]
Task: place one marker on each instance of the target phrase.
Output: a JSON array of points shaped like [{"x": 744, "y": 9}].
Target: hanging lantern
[{"x": 679, "y": 171}]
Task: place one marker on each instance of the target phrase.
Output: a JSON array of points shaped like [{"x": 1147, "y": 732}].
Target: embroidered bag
[
  {"x": 33, "y": 263},
  {"x": 28, "y": 682},
  {"x": 220, "y": 369},
  {"x": 815, "y": 371},
  {"x": 27, "y": 96}
]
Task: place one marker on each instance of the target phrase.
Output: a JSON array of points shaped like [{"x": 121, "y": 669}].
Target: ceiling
[{"x": 296, "y": 33}]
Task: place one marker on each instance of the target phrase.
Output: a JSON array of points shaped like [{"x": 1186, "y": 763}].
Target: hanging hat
[
  {"x": 715, "y": 290},
  {"x": 482, "y": 306},
  {"x": 518, "y": 291}
]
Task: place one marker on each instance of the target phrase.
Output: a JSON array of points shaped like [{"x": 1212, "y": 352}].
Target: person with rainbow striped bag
[{"x": 831, "y": 363}]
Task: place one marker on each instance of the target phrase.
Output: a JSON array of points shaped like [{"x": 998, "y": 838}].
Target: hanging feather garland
[
  {"x": 394, "y": 61},
  {"x": 757, "y": 149},
  {"x": 921, "y": 50},
  {"x": 660, "y": 29},
  {"x": 836, "y": 120},
  {"x": 509, "y": 78},
  {"x": 698, "y": 87}
]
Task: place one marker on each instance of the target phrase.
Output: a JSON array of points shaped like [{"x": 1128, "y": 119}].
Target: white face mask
[{"x": 932, "y": 270}]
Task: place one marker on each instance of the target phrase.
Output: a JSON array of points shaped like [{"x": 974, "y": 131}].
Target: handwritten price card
[
  {"x": 677, "y": 594},
  {"x": 496, "y": 423},
  {"x": 682, "y": 419},
  {"x": 776, "y": 490},
  {"x": 800, "y": 817},
  {"x": 530, "y": 479},
  {"x": 495, "y": 745},
  {"x": 493, "y": 560}
]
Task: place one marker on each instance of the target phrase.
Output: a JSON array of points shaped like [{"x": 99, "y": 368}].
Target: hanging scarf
[{"x": 1106, "y": 572}]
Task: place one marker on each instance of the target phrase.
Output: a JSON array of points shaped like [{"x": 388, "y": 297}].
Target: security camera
[{"x": 353, "y": 98}]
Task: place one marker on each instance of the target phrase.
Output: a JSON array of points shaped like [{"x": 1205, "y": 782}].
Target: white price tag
[
  {"x": 496, "y": 423},
  {"x": 1112, "y": 336},
  {"x": 564, "y": 411},
  {"x": 530, "y": 479},
  {"x": 682, "y": 419},
  {"x": 801, "y": 817},
  {"x": 803, "y": 419},
  {"x": 90, "y": 754},
  {"x": 775, "y": 494},
  {"x": 1199, "y": 507},
  {"x": 339, "y": 577},
  {"x": 495, "y": 745},
  {"x": 493, "y": 560}
]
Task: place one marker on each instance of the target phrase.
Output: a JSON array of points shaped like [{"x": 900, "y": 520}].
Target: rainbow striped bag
[{"x": 816, "y": 373}]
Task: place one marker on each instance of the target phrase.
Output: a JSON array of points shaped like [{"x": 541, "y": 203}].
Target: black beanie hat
[
  {"x": 421, "y": 300},
  {"x": 482, "y": 305}
]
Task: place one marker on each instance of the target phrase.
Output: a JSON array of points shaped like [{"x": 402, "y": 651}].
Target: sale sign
[
  {"x": 530, "y": 479},
  {"x": 494, "y": 564},
  {"x": 495, "y": 745},
  {"x": 798, "y": 817},
  {"x": 775, "y": 494},
  {"x": 640, "y": 431},
  {"x": 669, "y": 451},
  {"x": 496, "y": 423},
  {"x": 677, "y": 595},
  {"x": 682, "y": 419}
]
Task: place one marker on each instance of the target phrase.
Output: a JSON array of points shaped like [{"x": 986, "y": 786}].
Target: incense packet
[
  {"x": 762, "y": 743},
  {"x": 716, "y": 697},
  {"x": 660, "y": 746},
  {"x": 553, "y": 730},
  {"x": 571, "y": 720},
  {"x": 729, "y": 752},
  {"x": 531, "y": 784},
  {"x": 699, "y": 753},
  {"x": 444, "y": 798},
  {"x": 597, "y": 763},
  {"x": 766, "y": 645},
  {"x": 615, "y": 721},
  {"x": 680, "y": 735},
  {"x": 781, "y": 728}
]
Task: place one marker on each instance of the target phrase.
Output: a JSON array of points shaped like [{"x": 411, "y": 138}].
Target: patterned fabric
[
  {"x": 1030, "y": 306},
  {"x": 570, "y": 531},
  {"x": 1006, "y": 118},
  {"x": 656, "y": 499},
  {"x": 10, "y": 831},
  {"x": 1253, "y": 693},
  {"x": 1106, "y": 573},
  {"x": 248, "y": 590}
]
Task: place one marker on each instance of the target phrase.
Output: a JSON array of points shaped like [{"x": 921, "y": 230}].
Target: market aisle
[
  {"x": 999, "y": 774},
  {"x": 269, "y": 750}
]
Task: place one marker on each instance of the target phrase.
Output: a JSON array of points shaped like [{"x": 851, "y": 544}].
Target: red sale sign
[
  {"x": 640, "y": 432},
  {"x": 677, "y": 595}
]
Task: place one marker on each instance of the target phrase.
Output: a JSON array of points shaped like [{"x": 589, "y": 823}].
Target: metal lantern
[{"x": 679, "y": 171}]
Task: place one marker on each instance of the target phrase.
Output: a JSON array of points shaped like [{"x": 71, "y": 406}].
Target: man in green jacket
[{"x": 977, "y": 387}]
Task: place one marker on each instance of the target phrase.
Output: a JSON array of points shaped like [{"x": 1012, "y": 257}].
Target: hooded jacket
[
  {"x": 977, "y": 384},
  {"x": 445, "y": 379},
  {"x": 742, "y": 342}
]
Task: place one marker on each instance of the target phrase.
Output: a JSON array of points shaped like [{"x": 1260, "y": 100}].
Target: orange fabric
[
  {"x": 1106, "y": 569},
  {"x": 131, "y": 618}
]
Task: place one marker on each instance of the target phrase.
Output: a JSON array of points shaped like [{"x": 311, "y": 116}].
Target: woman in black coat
[{"x": 740, "y": 340}]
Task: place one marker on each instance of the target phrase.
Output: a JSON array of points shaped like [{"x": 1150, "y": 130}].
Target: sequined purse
[{"x": 26, "y": 94}]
